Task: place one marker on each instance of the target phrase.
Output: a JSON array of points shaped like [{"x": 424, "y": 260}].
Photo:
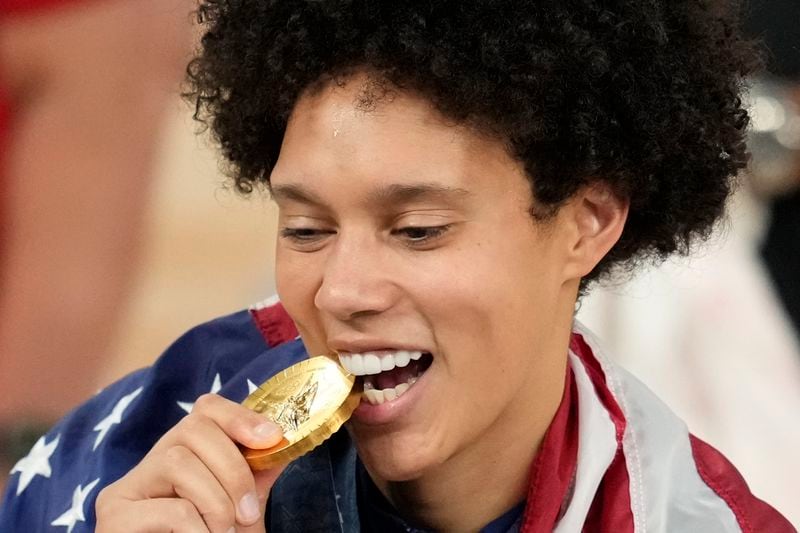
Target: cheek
[
  {"x": 285, "y": 278},
  {"x": 296, "y": 282},
  {"x": 475, "y": 313},
  {"x": 297, "y": 276},
  {"x": 487, "y": 308},
  {"x": 491, "y": 286}
]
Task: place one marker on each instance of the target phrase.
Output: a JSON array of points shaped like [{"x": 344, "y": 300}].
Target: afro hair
[{"x": 641, "y": 94}]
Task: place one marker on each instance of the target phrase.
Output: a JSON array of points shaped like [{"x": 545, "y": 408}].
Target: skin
[
  {"x": 195, "y": 479},
  {"x": 490, "y": 293},
  {"x": 364, "y": 271}
]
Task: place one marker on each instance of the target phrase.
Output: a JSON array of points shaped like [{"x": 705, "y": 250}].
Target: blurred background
[
  {"x": 118, "y": 233},
  {"x": 717, "y": 335}
]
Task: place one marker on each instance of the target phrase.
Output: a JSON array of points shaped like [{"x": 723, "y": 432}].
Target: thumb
[{"x": 264, "y": 479}]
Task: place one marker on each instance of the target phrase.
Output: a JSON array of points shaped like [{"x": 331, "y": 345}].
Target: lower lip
[{"x": 387, "y": 412}]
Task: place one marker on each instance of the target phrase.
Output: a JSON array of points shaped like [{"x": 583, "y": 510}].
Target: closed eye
[
  {"x": 418, "y": 235},
  {"x": 304, "y": 235}
]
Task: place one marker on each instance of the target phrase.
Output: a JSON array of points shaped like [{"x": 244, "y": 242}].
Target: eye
[
  {"x": 304, "y": 235},
  {"x": 416, "y": 235}
]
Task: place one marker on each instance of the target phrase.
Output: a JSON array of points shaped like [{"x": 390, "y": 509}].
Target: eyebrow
[
  {"x": 294, "y": 193},
  {"x": 396, "y": 193}
]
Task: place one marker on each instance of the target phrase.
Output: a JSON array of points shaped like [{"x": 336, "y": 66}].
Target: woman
[{"x": 450, "y": 177}]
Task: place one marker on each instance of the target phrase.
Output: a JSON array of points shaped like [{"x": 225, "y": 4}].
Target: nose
[{"x": 355, "y": 281}]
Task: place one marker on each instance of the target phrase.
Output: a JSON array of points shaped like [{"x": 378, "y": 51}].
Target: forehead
[
  {"x": 360, "y": 104},
  {"x": 340, "y": 133}
]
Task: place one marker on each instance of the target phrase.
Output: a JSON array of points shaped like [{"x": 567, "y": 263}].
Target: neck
[{"x": 489, "y": 477}]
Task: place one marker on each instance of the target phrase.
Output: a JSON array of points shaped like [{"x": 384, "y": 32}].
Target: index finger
[{"x": 237, "y": 421}]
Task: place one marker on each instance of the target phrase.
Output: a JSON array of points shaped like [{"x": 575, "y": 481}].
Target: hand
[{"x": 195, "y": 478}]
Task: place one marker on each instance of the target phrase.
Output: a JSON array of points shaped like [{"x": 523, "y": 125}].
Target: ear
[{"x": 594, "y": 219}]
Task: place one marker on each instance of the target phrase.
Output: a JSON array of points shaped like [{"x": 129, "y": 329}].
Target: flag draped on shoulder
[
  {"x": 615, "y": 458},
  {"x": 54, "y": 487}
]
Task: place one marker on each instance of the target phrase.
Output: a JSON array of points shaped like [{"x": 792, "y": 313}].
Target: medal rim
[{"x": 260, "y": 459}]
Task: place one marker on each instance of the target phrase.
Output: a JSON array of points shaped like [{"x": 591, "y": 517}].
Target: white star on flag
[
  {"x": 115, "y": 417},
  {"x": 251, "y": 387},
  {"x": 75, "y": 513},
  {"x": 215, "y": 387},
  {"x": 36, "y": 463}
]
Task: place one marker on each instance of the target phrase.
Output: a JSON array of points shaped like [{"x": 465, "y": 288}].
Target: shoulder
[
  {"x": 664, "y": 476},
  {"x": 105, "y": 437}
]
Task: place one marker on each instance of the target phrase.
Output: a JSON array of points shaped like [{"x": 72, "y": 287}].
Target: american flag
[
  {"x": 55, "y": 486},
  {"x": 615, "y": 458}
]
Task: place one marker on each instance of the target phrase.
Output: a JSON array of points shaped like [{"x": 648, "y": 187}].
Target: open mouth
[{"x": 386, "y": 375}]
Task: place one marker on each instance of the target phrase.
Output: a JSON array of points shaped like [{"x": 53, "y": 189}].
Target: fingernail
[
  {"x": 265, "y": 430},
  {"x": 248, "y": 507},
  {"x": 231, "y": 530}
]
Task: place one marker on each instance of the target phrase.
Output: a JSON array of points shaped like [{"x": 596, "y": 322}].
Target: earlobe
[{"x": 598, "y": 218}]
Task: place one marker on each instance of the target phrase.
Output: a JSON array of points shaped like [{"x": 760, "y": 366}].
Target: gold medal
[{"x": 310, "y": 401}]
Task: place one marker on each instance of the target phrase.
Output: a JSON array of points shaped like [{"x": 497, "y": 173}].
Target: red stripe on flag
[
  {"x": 581, "y": 348},
  {"x": 553, "y": 469},
  {"x": 752, "y": 514},
  {"x": 611, "y": 507},
  {"x": 275, "y": 324}
]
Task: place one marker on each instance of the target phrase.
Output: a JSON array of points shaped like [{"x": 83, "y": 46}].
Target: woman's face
[{"x": 407, "y": 241}]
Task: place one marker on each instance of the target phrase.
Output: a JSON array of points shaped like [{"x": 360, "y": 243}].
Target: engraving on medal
[
  {"x": 296, "y": 409},
  {"x": 310, "y": 401}
]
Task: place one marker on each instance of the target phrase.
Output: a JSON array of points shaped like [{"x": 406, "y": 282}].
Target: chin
[{"x": 391, "y": 458}]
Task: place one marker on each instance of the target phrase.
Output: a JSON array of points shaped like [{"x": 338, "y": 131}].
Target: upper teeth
[{"x": 364, "y": 364}]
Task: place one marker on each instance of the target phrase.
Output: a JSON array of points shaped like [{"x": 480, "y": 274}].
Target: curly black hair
[{"x": 642, "y": 94}]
